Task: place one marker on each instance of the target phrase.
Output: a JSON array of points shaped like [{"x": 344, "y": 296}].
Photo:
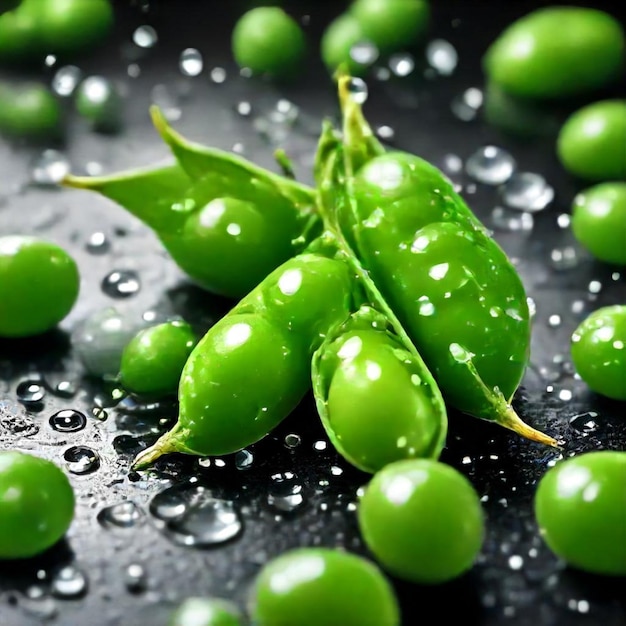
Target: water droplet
[
  {"x": 50, "y": 168},
  {"x": 99, "y": 413},
  {"x": 145, "y": 37},
  {"x": 357, "y": 88},
  {"x": 191, "y": 62},
  {"x": 244, "y": 108},
  {"x": 382, "y": 73},
  {"x": 490, "y": 165},
  {"x": 121, "y": 283},
  {"x": 218, "y": 75},
  {"x": 584, "y": 422},
  {"x": 511, "y": 220},
  {"x": 81, "y": 460},
  {"x": 93, "y": 168},
  {"x": 169, "y": 104},
  {"x": 386, "y": 133},
  {"x": 292, "y": 441},
  {"x": 98, "y": 243},
  {"x": 595, "y": 286},
  {"x": 30, "y": 392},
  {"x": 564, "y": 258},
  {"x": 135, "y": 578},
  {"x": 65, "y": 80},
  {"x": 466, "y": 106},
  {"x": 68, "y": 421},
  {"x": 364, "y": 52},
  {"x": 566, "y": 395},
  {"x": 50, "y": 60},
  {"x": 401, "y": 64},
  {"x": 527, "y": 191},
  {"x": 69, "y": 582},
  {"x": 442, "y": 56},
  {"x": 554, "y": 321},
  {"x": 320, "y": 445},
  {"x": 244, "y": 460},
  {"x": 121, "y": 515},
  {"x": 133, "y": 70},
  {"x": 285, "y": 492},
  {"x": 65, "y": 389}
]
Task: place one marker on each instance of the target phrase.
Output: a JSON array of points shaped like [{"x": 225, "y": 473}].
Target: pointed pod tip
[{"x": 511, "y": 420}]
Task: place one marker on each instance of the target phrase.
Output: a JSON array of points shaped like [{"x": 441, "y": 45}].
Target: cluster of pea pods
[{"x": 379, "y": 289}]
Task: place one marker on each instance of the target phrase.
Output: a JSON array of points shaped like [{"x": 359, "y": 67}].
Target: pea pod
[
  {"x": 252, "y": 367},
  {"x": 225, "y": 222},
  {"x": 448, "y": 281},
  {"x": 377, "y": 401}
]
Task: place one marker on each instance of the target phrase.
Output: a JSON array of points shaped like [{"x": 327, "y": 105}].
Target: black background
[{"x": 503, "y": 468}]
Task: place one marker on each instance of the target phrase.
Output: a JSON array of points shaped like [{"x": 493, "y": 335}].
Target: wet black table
[{"x": 126, "y": 565}]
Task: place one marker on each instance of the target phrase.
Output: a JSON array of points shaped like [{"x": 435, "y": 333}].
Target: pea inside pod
[{"x": 377, "y": 401}]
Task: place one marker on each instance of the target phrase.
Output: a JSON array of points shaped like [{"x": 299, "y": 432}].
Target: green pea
[
  {"x": 338, "y": 41},
  {"x": 378, "y": 404},
  {"x": 392, "y": 24},
  {"x": 323, "y": 587},
  {"x": 557, "y": 52},
  {"x": 206, "y": 612},
  {"x": 599, "y": 221},
  {"x": 598, "y": 349},
  {"x": 580, "y": 508},
  {"x": 591, "y": 142},
  {"x": 18, "y": 36},
  {"x": 36, "y": 505},
  {"x": 39, "y": 284},
  {"x": 99, "y": 101},
  {"x": 153, "y": 360},
  {"x": 29, "y": 110},
  {"x": 268, "y": 41},
  {"x": 422, "y": 520}
]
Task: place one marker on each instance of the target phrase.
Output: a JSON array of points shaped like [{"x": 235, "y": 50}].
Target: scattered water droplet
[
  {"x": 65, "y": 80},
  {"x": 81, "y": 460},
  {"x": 364, "y": 52},
  {"x": 292, "y": 441},
  {"x": 191, "y": 62},
  {"x": 243, "y": 108},
  {"x": 244, "y": 460},
  {"x": 527, "y": 191},
  {"x": 511, "y": 219},
  {"x": 401, "y": 64},
  {"x": 120, "y": 515},
  {"x": 133, "y": 70},
  {"x": 121, "y": 283},
  {"x": 566, "y": 395},
  {"x": 490, "y": 165},
  {"x": 218, "y": 75},
  {"x": 68, "y": 421},
  {"x": 584, "y": 422},
  {"x": 466, "y": 106},
  {"x": 50, "y": 168},
  {"x": 565, "y": 258},
  {"x": 98, "y": 243},
  {"x": 145, "y": 36},
  {"x": 386, "y": 133},
  {"x": 99, "y": 413},
  {"x": 69, "y": 582},
  {"x": 135, "y": 578},
  {"x": 594, "y": 287},
  {"x": 357, "y": 88},
  {"x": 442, "y": 56},
  {"x": 382, "y": 73},
  {"x": 50, "y": 60},
  {"x": 285, "y": 492},
  {"x": 30, "y": 392},
  {"x": 554, "y": 321},
  {"x": 65, "y": 389}
]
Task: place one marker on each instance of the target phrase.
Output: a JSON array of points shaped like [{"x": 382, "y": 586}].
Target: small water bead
[
  {"x": 145, "y": 36},
  {"x": 169, "y": 104},
  {"x": 584, "y": 422},
  {"x": 564, "y": 220},
  {"x": 292, "y": 441},
  {"x": 285, "y": 492},
  {"x": 244, "y": 459},
  {"x": 565, "y": 258},
  {"x": 466, "y": 106},
  {"x": 50, "y": 60},
  {"x": 98, "y": 243},
  {"x": 565, "y": 394},
  {"x": 191, "y": 62},
  {"x": 93, "y": 168},
  {"x": 135, "y": 578},
  {"x": 69, "y": 582},
  {"x": 401, "y": 64},
  {"x": 516, "y": 562},
  {"x": 81, "y": 460},
  {"x": 442, "y": 56},
  {"x": 511, "y": 220},
  {"x": 65, "y": 389},
  {"x": 386, "y": 133},
  {"x": 594, "y": 287},
  {"x": 65, "y": 80},
  {"x": 320, "y": 445},
  {"x": 99, "y": 413},
  {"x": 490, "y": 165},
  {"x": 218, "y": 75},
  {"x": 121, "y": 283},
  {"x": 68, "y": 421},
  {"x": 50, "y": 168},
  {"x": 364, "y": 53},
  {"x": 243, "y": 108},
  {"x": 133, "y": 70},
  {"x": 527, "y": 191},
  {"x": 125, "y": 514},
  {"x": 30, "y": 392},
  {"x": 358, "y": 90},
  {"x": 382, "y": 73},
  {"x": 554, "y": 321}
]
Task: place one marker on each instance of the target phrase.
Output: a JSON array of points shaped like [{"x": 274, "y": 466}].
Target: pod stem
[
  {"x": 169, "y": 442},
  {"x": 511, "y": 420}
]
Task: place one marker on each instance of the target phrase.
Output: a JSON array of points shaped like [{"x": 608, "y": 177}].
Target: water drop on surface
[
  {"x": 386, "y": 133},
  {"x": 511, "y": 220},
  {"x": 564, "y": 258},
  {"x": 442, "y": 56},
  {"x": 133, "y": 70},
  {"x": 243, "y": 108},
  {"x": 357, "y": 88},
  {"x": 364, "y": 53},
  {"x": 121, "y": 283},
  {"x": 69, "y": 582},
  {"x": 191, "y": 62},
  {"x": 466, "y": 106},
  {"x": 81, "y": 460},
  {"x": 401, "y": 64},
  {"x": 285, "y": 492},
  {"x": 292, "y": 441},
  {"x": 135, "y": 578},
  {"x": 65, "y": 389},
  {"x": 244, "y": 460},
  {"x": 120, "y": 515},
  {"x": 97, "y": 243},
  {"x": 68, "y": 421},
  {"x": 50, "y": 168},
  {"x": 145, "y": 37},
  {"x": 584, "y": 422},
  {"x": 527, "y": 191},
  {"x": 218, "y": 75},
  {"x": 66, "y": 80},
  {"x": 490, "y": 165},
  {"x": 30, "y": 392}
]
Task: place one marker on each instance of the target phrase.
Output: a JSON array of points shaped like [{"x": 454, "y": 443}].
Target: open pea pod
[
  {"x": 226, "y": 222},
  {"x": 377, "y": 400},
  {"x": 451, "y": 285}
]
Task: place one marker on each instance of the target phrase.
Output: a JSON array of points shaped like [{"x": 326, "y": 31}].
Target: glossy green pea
[
  {"x": 599, "y": 221},
  {"x": 268, "y": 41},
  {"x": 36, "y": 505},
  {"x": 39, "y": 284},
  {"x": 206, "y": 612},
  {"x": 29, "y": 110},
  {"x": 338, "y": 40},
  {"x": 392, "y": 24},
  {"x": 422, "y": 520},
  {"x": 252, "y": 367},
  {"x": 153, "y": 360},
  {"x": 323, "y": 587},
  {"x": 378, "y": 404},
  {"x": 18, "y": 36},
  {"x": 557, "y": 52},
  {"x": 591, "y": 142},
  {"x": 580, "y": 508},
  {"x": 598, "y": 349}
]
